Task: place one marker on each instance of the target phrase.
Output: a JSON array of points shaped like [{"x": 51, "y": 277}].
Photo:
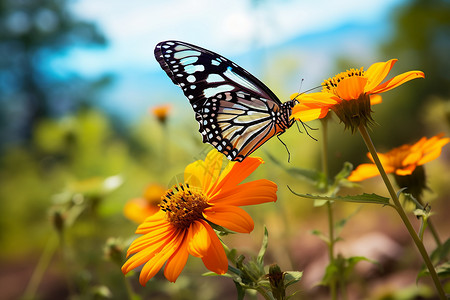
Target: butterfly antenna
[
  {"x": 301, "y": 84},
  {"x": 289, "y": 153},
  {"x": 307, "y": 91}
]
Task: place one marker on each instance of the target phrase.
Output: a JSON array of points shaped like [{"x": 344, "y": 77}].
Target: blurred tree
[
  {"x": 32, "y": 33},
  {"x": 422, "y": 36},
  {"x": 421, "y": 40}
]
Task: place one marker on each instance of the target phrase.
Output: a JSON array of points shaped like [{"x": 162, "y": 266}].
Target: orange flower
[
  {"x": 161, "y": 112},
  {"x": 350, "y": 94},
  {"x": 182, "y": 226},
  {"x": 403, "y": 160},
  {"x": 138, "y": 209}
]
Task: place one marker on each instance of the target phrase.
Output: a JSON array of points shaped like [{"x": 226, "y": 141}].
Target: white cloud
[{"x": 225, "y": 26}]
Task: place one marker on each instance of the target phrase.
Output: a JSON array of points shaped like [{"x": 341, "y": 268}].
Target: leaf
[
  {"x": 364, "y": 198},
  {"x": 319, "y": 203},
  {"x": 321, "y": 236},
  {"x": 442, "y": 270},
  {"x": 441, "y": 253},
  {"x": 330, "y": 274},
  {"x": 313, "y": 176},
  {"x": 291, "y": 277},
  {"x": 344, "y": 172},
  {"x": 211, "y": 274},
  {"x": 262, "y": 251},
  {"x": 341, "y": 223},
  {"x": 221, "y": 230}
]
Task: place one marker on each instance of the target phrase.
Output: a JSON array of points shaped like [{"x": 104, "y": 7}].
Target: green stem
[
  {"x": 264, "y": 293},
  {"x": 329, "y": 204},
  {"x": 422, "y": 228},
  {"x": 130, "y": 292},
  {"x": 401, "y": 212},
  {"x": 434, "y": 233},
  {"x": 39, "y": 271},
  {"x": 429, "y": 223}
]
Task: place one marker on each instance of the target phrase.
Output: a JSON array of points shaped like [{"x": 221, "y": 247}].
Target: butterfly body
[{"x": 236, "y": 112}]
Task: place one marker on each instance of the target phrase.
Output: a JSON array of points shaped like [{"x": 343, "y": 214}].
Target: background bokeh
[{"x": 78, "y": 80}]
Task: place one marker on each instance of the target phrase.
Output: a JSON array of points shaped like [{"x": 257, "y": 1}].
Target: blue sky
[
  {"x": 318, "y": 31},
  {"x": 228, "y": 26}
]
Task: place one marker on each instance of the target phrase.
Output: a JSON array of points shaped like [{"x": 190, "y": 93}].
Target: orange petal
[
  {"x": 363, "y": 172},
  {"x": 249, "y": 193},
  {"x": 351, "y": 87},
  {"x": 319, "y": 99},
  {"x": 176, "y": 262},
  {"x": 405, "y": 171},
  {"x": 309, "y": 114},
  {"x": 430, "y": 156},
  {"x": 412, "y": 158},
  {"x": 375, "y": 99},
  {"x": 376, "y": 73},
  {"x": 215, "y": 259},
  {"x": 397, "y": 81},
  {"x": 154, "y": 221},
  {"x": 138, "y": 209},
  {"x": 152, "y": 241},
  {"x": 235, "y": 173},
  {"x": 198, "y": 239},
  {"x": 154, "y": 264},
  {"x": 313, "y": 106},
  {"x": 231, "y": 217}
]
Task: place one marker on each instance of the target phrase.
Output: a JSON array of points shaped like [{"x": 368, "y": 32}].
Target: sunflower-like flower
[
  {"x": 405, "y": 162},
  {"x": 350, "y": 94},
  {"x": 138, "y": 209},
  {"x": 209, "y": 195}
]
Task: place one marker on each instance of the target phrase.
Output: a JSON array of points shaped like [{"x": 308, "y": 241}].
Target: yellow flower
[
  {"x": 138, "y": 209},
  {"x": 161, "y": 112},
  {"x": 350, "y": 94},
  {"x": 182, "y": 225},
  {"x": 403, "y": 160}
]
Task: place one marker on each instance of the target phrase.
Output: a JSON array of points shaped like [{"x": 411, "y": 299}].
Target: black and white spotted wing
[{"x": 236, "y": 112}]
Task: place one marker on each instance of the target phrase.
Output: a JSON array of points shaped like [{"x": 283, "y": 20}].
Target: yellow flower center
[
  {"x": 330, "y": 85},
  {"x": 183, "y": 205}
]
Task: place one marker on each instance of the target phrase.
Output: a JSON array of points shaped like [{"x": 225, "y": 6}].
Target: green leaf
[
  {"x": 441, "y": 253},
  {"x": 341, "y": 223},
  {"x": 331, "y": 272},
  {"x": 442, "y": 270},
  {"x": 291, "y": 277},
  {"x": 211, "y": 274},
  {"x": 313, "y": 176},
  {"x": 321, "y": 236},
  {"x": 344, "y": 172},
  {"x": 319, "y": 203},
  {"x": 364, "y": 198},
  {"x": 262, "y": 251},
  {"x": 221, "y": 230}
]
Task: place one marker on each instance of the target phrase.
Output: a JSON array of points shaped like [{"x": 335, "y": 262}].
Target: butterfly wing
[{"x": 236, "y": 112}]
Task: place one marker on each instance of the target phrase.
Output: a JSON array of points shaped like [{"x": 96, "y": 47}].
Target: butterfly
[{"x": 236, "y": 112}]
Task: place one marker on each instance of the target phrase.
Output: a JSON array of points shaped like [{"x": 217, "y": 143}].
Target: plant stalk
[
  {"x": 324, "y": 122},
  {"x": 370, "y": 146}
]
